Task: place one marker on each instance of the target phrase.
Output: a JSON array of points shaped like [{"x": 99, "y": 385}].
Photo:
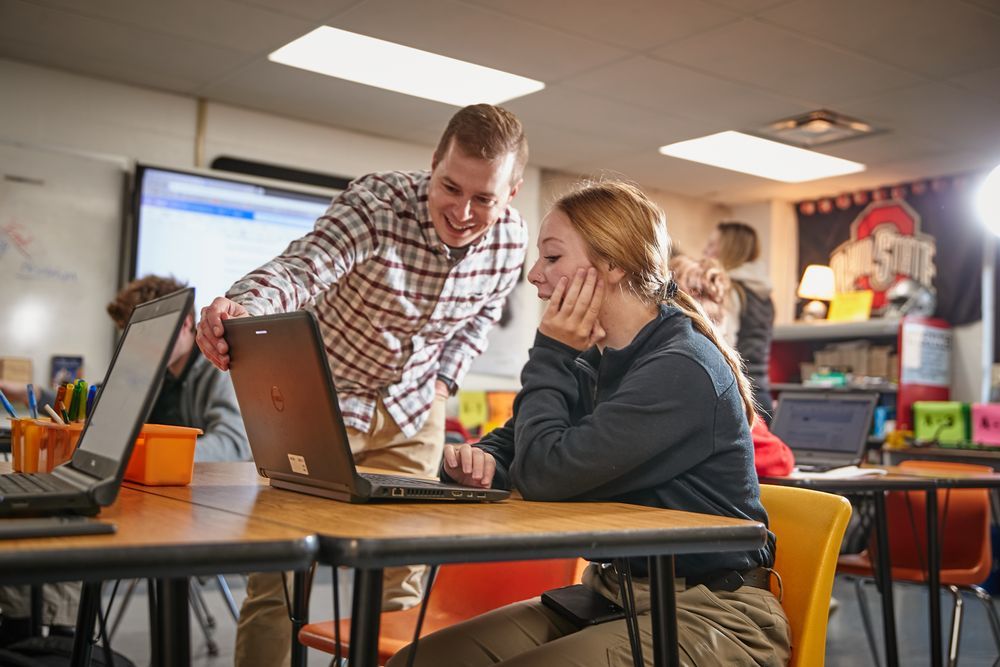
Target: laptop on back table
[
  {"x": 824, "y": 430},
  {"x": 297, "y": 435},
  {"x": 91, "y": 479}
]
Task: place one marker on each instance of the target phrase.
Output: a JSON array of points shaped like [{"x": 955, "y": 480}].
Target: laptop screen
[
  {"x": 828, "y": 423},
  {"x": 132, "y": 381}
]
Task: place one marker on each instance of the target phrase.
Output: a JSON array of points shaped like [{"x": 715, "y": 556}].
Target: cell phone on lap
[{"x": 581, "y": 605}]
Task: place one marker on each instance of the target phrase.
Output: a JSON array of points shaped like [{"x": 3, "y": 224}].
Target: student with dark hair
[{"x": 629, "y": 395}]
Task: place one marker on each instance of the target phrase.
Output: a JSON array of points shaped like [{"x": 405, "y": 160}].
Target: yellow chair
[{"x": 809, "y": 526}]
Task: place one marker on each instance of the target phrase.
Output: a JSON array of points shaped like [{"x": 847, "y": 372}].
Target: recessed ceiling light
[
  {"x": 376, "y": 62},
  {"x": 751, "y": 155}
]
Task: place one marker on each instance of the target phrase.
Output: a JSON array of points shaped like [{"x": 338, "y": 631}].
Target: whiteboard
[{"x": 60, "y": 249}]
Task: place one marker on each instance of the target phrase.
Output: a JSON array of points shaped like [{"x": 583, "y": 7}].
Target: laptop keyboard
[
  {"x": 16, "y": 483},
  {"x": 400, "y": 480}
]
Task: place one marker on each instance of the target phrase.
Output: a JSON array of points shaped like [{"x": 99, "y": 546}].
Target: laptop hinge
[{"x": 77, "y": 478}]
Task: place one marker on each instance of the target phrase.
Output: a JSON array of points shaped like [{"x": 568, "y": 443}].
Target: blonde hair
[
  {"x": 706, "y": 281},
  {"x": 622, "y": 227},
  {"x": 738, "y": 244}
]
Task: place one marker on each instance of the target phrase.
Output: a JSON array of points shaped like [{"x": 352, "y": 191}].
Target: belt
[{"x": 732, "y": 580}]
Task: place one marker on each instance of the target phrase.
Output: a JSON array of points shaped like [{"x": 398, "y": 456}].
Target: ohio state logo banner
[{"x": 924, "y": 231}]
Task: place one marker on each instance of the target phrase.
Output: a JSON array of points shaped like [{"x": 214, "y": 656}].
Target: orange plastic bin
[
  {"x": 39, "y": 445},
  {"x": 163, "y": 455}
]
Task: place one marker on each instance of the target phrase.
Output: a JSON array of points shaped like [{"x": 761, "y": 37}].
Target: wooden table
[
  {"x": 161, "y": 538},
  {"x": 369, "y": 537},
  {"x": 902, "y": 479}
]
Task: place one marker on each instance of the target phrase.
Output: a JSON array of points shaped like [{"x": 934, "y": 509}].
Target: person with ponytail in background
[
  {"x": 629, "y": 395},
  {"x": 749, "y": 321}
]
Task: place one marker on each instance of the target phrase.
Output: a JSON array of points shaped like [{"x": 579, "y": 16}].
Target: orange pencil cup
[
  {"x": 39, "y": 445},
  {"x": 163, "y": 456}
]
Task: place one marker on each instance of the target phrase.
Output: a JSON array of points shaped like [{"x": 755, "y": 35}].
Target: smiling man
[{"x": 406, "y": 273}]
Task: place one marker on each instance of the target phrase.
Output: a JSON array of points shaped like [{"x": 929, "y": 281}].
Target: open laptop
[
  {"x": 296, "y": 431},
  {"x": 91, "y": 479},
  {"x": 824, "y": 430}
]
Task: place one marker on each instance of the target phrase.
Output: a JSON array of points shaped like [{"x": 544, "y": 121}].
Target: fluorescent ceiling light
[
  {"x": 375, "y": 62},
  {"x": 751, "y": 155}
]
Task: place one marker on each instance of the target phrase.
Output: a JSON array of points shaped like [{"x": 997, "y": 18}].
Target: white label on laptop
[{"x": 298, "y": 464}]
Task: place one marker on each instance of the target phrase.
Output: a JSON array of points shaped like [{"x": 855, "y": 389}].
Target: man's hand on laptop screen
[
  {"x": 469, "y": 465},
  {"x": 211, "y": 336}
]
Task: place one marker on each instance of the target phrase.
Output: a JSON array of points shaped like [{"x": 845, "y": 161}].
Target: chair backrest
[
  {"x": 465, "y": 590},
  {"x": 809, "y": 527},
  {"x": 963, "y": 526}
]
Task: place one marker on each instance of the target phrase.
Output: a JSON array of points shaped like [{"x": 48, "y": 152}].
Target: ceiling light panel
[
  {"x": 760, "y": 157},
  {"x": 375, "y": 62}
]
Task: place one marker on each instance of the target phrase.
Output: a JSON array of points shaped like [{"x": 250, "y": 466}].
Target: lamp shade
[{"x": 817, "y": 283}]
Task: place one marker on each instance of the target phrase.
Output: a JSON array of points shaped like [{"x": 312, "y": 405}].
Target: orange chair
[
  {"x": 809, "y": 526},
  {"x": 964, "y": 533},
  {"x": 460, "y": 592}
]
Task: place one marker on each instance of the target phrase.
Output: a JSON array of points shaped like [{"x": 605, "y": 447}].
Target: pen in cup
[
  {"x": 7, "y": 406},
  {"x": 52, "y": 414},
  {"x": 32, "y": 405}
]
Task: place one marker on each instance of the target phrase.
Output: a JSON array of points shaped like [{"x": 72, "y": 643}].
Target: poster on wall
[{"x": 923, "y": 234}]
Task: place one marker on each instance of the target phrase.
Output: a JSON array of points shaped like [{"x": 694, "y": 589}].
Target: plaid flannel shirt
[{"x": 395, "y": 307}]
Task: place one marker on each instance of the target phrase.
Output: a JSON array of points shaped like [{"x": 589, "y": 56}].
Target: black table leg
[
  {"x": 883, "y": 574},
  {"x": 175, "y": 626},
  {"x": 934, "y": 577},
  {"x": 365, "y": 613},
  {"x": 36, "y": 610},
  {"x": 300, "y": 615},
  {"x": 86, "y": 614},
  {"x": 663, "y": 608}
]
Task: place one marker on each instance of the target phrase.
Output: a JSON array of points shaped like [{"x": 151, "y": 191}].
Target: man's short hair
[
  {"x": 488, "y": 132},
  {"x": 138, "y": 292}
]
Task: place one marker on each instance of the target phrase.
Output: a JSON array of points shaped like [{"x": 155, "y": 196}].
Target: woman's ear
[{"x": 612, "y": 274}]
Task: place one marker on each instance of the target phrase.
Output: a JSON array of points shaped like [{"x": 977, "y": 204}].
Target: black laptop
[
  {"x": 92, "y": 478},
  {"x": 824, "y": 430},
  {"x": 296, "y": 431}
]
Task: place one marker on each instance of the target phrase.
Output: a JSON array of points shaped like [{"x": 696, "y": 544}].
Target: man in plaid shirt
[{"x": 406, "y": 274}]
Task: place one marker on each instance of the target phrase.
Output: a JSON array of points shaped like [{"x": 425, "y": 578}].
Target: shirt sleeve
[
  {"x": 649, "y": 430},
  {"x": 343, "y": 236}
]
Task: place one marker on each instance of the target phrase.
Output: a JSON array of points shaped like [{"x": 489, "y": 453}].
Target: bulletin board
[{"x": 60, "y": 250}]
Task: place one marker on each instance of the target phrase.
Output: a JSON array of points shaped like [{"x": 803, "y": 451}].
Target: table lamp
[
  {"x": 817, "y": 284},
  {"x": 987, "y": 206}
]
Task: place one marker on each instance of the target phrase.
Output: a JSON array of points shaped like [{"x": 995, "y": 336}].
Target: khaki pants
[
  {"x": 264, "y": 631},
  {"x": 746, "y": 627}
]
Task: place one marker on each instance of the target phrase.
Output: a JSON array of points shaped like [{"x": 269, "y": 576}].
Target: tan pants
[
  {"x": 747, "y": 627},
  {"x": 264, "y": 631}
]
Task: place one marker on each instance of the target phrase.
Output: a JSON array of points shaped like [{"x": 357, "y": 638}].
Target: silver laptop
[
  {"x": 824, "y": 430},
  {"x": 297, "y": 435}
]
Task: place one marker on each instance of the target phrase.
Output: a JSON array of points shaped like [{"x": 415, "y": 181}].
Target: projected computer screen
[{"x": 210, "y": 231}]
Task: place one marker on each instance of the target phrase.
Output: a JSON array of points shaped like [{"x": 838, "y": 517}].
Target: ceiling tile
[
  {"x": 476, "y": 35},
  {"x": 555, "y": 146},
  {"x": 635, "y": 24},
  {"x": 680, "y": 91},
  {"x": 936, "y": 38},
  {"x": 749, "y": 6},
  {"x": 938, "y": 111},
  {"x": 781, "y": 61},
  {"x": 102, "y": 48},
  {"x": 297, "y": 93},
  {"x": 884, "y": 148},
  {"x": 223, "y": 23},
  {"x": 318, "y": 11},
  {"x": 628, "y": 125},
  {"x": 984, "y": 82}
]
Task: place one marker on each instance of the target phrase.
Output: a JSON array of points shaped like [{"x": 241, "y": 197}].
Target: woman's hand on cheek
[
  {"x": 571, "y": 316},
  {"x": 469, "y": 465}
]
